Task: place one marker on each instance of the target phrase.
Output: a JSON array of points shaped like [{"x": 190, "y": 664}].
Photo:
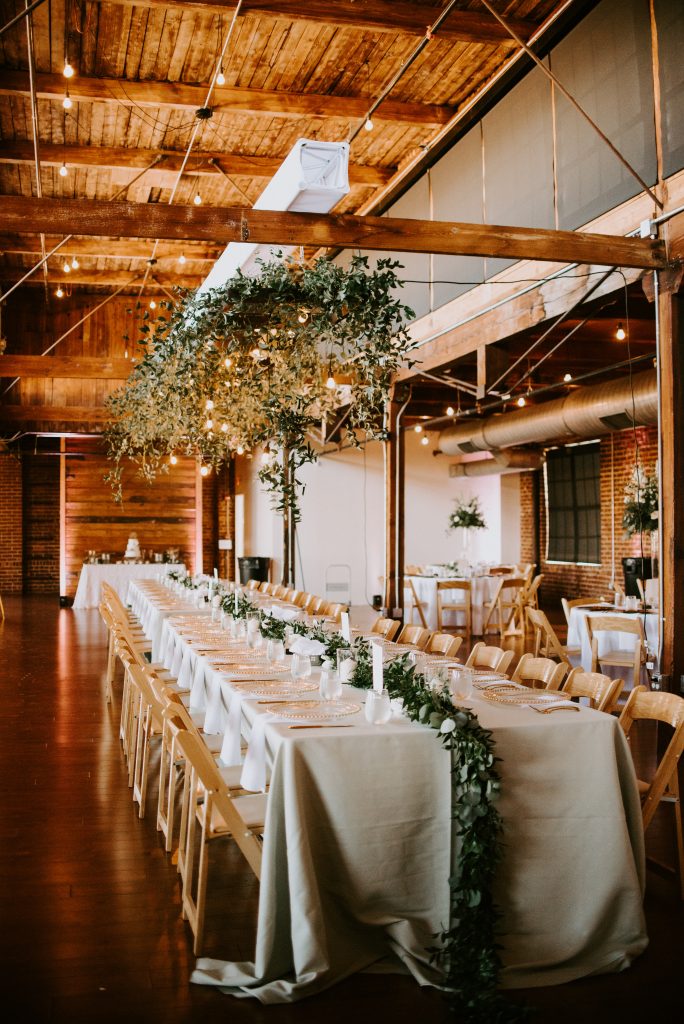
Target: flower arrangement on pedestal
[{"x": 467, "y": 515}]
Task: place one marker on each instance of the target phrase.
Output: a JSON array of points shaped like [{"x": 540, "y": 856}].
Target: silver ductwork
[
  {"x": 585, "y": 412},
  {"x": 512, "y": 460}
]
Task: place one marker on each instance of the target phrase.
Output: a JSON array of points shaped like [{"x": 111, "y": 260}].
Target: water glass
[
  {"x": 330, "y": 684},
  {"x": 275, "y": 651},
  {"x": 254, "y": 638},
  {"x": 346, "y": 665},
  {"x": 378, "y": 707},
  {"x": 301, "y": 666},
  {"x": 461, "y": 683},
  {"x": 253, "y": 620}
]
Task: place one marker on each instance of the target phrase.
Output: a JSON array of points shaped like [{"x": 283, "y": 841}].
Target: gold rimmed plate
[
  {"x": 244, "y": 671},
  {"x": 313, "y": 710},
  {"x": 525, "y": 696},
  {"x": 279, "y": 689}
]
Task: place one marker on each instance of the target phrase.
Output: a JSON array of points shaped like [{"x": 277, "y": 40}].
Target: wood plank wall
[{"x": 162, "y": 513}]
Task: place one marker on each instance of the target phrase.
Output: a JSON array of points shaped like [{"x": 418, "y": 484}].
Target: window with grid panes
[{"x": 574, "y": 504}]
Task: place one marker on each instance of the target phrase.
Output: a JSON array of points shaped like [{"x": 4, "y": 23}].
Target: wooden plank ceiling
[{"x": 142, "y": 69}]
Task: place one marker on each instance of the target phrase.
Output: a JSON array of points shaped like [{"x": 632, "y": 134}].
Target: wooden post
[
  {"x": 393, "y": 445},
  {"x": 63, "y": 585},
  {"x": 671, "y": 326},
  {"x": 199, "y": 513}
]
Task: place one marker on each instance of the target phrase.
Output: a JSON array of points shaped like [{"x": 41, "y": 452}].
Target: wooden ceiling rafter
[
  {"x": 397, "y": 17},
  {"x": 180, "y": 96},
  {"x": 388, "y": 234}
]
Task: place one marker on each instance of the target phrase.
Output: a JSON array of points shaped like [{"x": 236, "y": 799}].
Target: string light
[
  {"x": 450, "y": 410},
  {"x": 63, "y": 171},
  {"x": 197, "y": 200},
  {"x": 182, "y": 259},
  {"x": 220, "y": 78},
  {"x": 209, "y": 425},
  {"x": 240, "y": 450},
  {"x": 228, "y": 362},
  {"x": 521, "y": 402},
  {"x": 74, "y": 263},
  {"x": 204, "y": 470},
  {"x": 68, "y": 71},
  {"x": 153, "y": 304},
  {"x": 418, "y": 429},
  {"x": 59, "y": 293},
  {"x": 224, "y": 428},
  {"x": 368, "y": 125},
  {"x": 331, "y": 383},
  {"x": 67, "y": 102},
  {"x": 66, "y": 268},
  {"x": 567, "y": 378},
  {"x": 209, "y": 404},
  {"x": 621, "y": 333},
  {"x": 173, "y": 459},
  {"x": 425, "y": 440}
]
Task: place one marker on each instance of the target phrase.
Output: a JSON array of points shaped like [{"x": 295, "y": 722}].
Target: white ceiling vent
[{"x": 312, "y": 179}]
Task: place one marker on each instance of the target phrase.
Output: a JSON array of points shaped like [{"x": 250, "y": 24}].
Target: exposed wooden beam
[
  {"x": 113, "y": 278},
  {"x": 125, "y": 160},
  {"x": 53, "y": 414},
  {"x": 395, "y": 16},
  {"x": 225, "y": 99},
  {"x": 76, "y": 367},
  {"x": 114, "y": 248},
  {"x": 224, "y": 224}
]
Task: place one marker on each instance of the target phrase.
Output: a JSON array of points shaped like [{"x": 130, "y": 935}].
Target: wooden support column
[
  {"x": 671, "y": 325},
  {"x": 199, "y": 513},
  {"x": 62, "y": 524},
  {"x": 393, "y": 598}
]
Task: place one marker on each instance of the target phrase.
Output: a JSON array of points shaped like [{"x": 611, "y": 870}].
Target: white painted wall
[{"x": 343, "y": 517}]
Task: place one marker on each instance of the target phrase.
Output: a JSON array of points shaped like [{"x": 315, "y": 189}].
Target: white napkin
[
  {"x": 253, "y": 775},
  {"x": 230, "y": 748},
  {"x": 302, "y": 645},
  {"x": 550, "y": 705},
  {"x": 284, "y": 614},
  {"x": 198, "y": 698}
]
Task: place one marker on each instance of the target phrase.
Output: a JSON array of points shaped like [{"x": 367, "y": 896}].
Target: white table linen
[
  {"x": 357, "y": 841},
  {"x": 118, "y": 576}
]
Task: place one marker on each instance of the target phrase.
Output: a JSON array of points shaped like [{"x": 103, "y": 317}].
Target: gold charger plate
[
  {"x": 276, "y": 688},
  {"x": 313, "y": 710},
  {"x": 256, "y": 671},
  {"x": 526, "y": 696}
]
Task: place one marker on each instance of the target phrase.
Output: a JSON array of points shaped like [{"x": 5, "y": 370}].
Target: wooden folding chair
[
  {"x": 414, "y": 635},
  {"x": 546, "y": 643},
  {"x": 539, "y": 673},
  {"x": 456, "y": 589},
  {"x": 444, "y": 643},
  {"x": 506, "y": 602},
  {"x": 208, "y": 802},
  {"x": 568, "y": 605},
  {"x": 413, "y": 603},
  {"x": 601, "y": 691},
  {"x": 487, "y": 656},
  {"x": 387, "y": 628},
  {"x": 615, "y": 656},
  {"x": 664, "y": 786}
]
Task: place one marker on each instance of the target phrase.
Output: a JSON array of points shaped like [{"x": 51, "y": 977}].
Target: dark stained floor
[{"x": 90, "y": 925}]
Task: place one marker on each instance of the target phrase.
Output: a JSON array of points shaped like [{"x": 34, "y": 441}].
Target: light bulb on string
[
  {"x": 66, "y": 267},
  {"x": 369, "y": 124},
  {"x": 67, "y": 102},
  {"x": 567, "y": 378},
  {"x": 620, "y": 333},
  {"x": 240, "y": 450},
  {"x": 173, "y": 459},
  {"x": 59, "y": 293},
  {"x": 425, "y": 440},
  {"x": 68, "y": 71},
  {"x": 331, "y": 383},
  {"x": 521, "y": 402},
  {"x": 182, "y": 258},
  {"x": 209, "y": 404},
  {"x": 209, "y": 425},
  {"x": 153, "y": 304},
  {"x": 204, "y": 470},
  {"x": 418, "y": 429},
  {"x": 63, "y": 171},
  {"x": 228, "y": 362},
  {"x": 450, "y": 410},
  {"x": 197, "y": 200},
  {"x": 220, "y": 78},
  {"x": 74, "y": 263}
]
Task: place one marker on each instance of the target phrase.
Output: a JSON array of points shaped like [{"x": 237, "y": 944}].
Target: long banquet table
[
  {"x": 357, "y": 840},
  {"x": 118, "y": 575}
]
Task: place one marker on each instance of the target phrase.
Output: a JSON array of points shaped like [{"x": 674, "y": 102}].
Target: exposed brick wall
[
  {"x": 11, "y": 533},
  {"x": 41, "y": 524},
  {"x": 617, "y": 463}
]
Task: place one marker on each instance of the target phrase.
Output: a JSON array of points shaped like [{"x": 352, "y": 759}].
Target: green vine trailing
[
  {"x": 466, "y": 952},
  {"x": 264, "y": 361}
]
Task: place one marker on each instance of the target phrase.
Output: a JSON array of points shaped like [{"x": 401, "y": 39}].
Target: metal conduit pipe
[
  {"x": 586, "y": 412},
  {"x": 512, "y": 460}
]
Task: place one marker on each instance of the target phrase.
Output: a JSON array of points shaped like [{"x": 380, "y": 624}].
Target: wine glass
[{"x": 301, "y": 666}]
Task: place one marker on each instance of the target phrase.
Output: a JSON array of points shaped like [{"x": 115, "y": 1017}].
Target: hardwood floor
[{"x": 90, "y": 923}]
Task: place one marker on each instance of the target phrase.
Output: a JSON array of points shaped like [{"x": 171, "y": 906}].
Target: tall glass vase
[{"x": 465, "y": 541}]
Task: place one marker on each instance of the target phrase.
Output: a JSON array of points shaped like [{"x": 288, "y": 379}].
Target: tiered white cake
[{"x": 132, "y": 547}]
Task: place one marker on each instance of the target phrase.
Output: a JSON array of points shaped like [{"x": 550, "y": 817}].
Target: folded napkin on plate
[
  {"x": 553, "y": 705},
  {"x": 284, "y": 614},
  {"x": 302, "y": 645}
]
